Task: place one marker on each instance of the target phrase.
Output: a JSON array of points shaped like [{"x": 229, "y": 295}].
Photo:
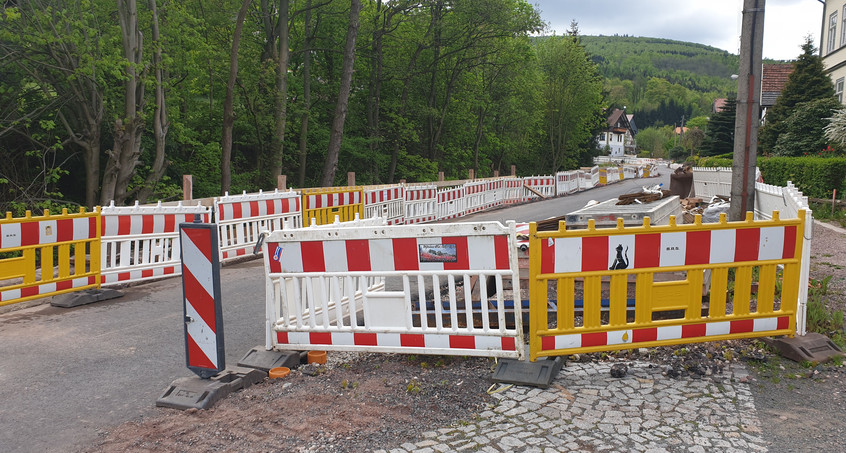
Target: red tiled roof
[
  {"x": 774, "y": 76},
  {"x": 719, "y": 104}
]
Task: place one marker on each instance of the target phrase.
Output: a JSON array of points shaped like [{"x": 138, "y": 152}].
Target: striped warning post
[{"x": 204, "y": 354}]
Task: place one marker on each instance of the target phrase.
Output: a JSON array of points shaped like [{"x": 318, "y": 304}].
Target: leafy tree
[
  {"x": 655, "y": 141},
  {"x": 719, "y": 138},
  {"x": 807, "y": 82},
  {"x": 803, "y": 131}
]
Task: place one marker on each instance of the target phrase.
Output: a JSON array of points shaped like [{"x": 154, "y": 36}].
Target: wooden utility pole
[{"x": 748, "y": 110}]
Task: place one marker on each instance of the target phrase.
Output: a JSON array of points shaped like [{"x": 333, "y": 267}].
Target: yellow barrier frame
[
  {"x": 325, "y": 215},
  {"x": 603, "y": 176},
  {"x": 620, "y": 329},
  {"x": 35, "y": 256}
]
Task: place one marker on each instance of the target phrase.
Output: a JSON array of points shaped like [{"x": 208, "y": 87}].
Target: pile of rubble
[{"x": 709, "y": 210}]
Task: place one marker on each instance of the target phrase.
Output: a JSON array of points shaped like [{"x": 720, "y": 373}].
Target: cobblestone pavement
[{"x": 585, "y": 409}]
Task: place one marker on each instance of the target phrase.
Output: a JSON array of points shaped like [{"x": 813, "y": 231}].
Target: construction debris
[{"x": 646, "y": 196}]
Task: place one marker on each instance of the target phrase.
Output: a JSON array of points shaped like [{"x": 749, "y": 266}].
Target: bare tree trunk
[
  {"x": 124, "y": 155},
  {"x": 160, "y": 120},
  {"x": 281, "y": 95},
  {"x": 337, "y": 132},
  {"x": 228, "y": 109},
  {"x": 306, "y": 95}
]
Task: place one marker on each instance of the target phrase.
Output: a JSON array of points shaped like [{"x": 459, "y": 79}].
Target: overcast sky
[{"x": 711, "y": 22}]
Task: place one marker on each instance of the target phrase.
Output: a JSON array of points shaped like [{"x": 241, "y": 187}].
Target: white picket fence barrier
[
  {"x": 419, "y": 289},
  {"x": 475, "y": 199},
  {"x": 242, "y": 218},
  {"x": 513, "y": 190},
  {"x": 711, "y": 181},
  {"x": 385, "y": 201},
  {"x": 788, "y": 201},
  {"x": 421, "y": 203},
  {"x": 545, "y": 185},
  {"x": 142, "y": 242},
  {"x": 567, "y": 182},
  {"x": 451, "y": 203}
]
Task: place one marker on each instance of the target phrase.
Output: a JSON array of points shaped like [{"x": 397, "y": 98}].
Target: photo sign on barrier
[{"x": 204, "y": 353}]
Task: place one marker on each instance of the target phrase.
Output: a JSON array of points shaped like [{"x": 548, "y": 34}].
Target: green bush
[
  {"x": 815, "y": 177},
  {"x": 715, "y": 161}
]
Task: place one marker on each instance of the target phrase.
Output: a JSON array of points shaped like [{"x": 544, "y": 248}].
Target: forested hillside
[
  {"x": 103, "y": 100},
  {"x": 659, "y": 80}
]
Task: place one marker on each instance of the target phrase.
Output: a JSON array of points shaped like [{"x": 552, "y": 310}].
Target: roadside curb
[{"x": 830, "y": 227}]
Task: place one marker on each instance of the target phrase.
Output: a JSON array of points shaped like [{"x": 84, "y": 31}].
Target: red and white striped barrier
[
  {"x": 421, "y": 204},
  {"x": 406, "y": 289},
  {"x": 474, "y": 196},
  {"x": 567, "y": 182},
  {"x": 495, "y": 195},
  {"x": 542, "y": 184},
  {"x": 386, "y": 202},
  {"x": 687, "y": 333},
  {"x": 513, "y": 190},
  {"x": 451, "y": 203},
  {"x": 242, "y": 218},
  {"x": 140, "y": 242},
  {"x": 204, "y": 353},
  {"x": 679, "y": 248}
]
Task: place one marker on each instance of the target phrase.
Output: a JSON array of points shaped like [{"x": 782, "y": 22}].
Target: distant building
[
  {"x": 619, "y": 137},
  {"x": 773, "y": 79},
  {"x": 833, "y": 44},
  {"x": 719, "y": 105}
]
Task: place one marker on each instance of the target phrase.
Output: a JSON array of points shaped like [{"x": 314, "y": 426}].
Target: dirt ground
[{"x": 359, "y": 402}]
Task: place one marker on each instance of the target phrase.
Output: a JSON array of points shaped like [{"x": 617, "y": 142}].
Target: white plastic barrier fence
[
  {"x": 630, "y": 171},
  {"x": 474, "y": 196},
  {"x": 542, "y": 184},
  {"x": 142, "y": 242},
  {"x": 385, "y": 201},
  {"x": 421, "y": 204},
  {"x": 495, "y": 195},
  {"x": 711, "y": 181},
  {"x": 613, "y": 174},
  {"x": 788, "y": 201},
  {"x": 585, "y": 180},
  {"x": 417, "y": 289},
  {"x": 513, "y": 190},
  {"x": 451, "y": 203},
  {"x": 241, "y": 218},
  {"x": 567, "y": 182}
]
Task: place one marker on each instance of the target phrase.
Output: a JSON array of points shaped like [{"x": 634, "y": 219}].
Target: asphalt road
[{"x": 68, "y": 374}]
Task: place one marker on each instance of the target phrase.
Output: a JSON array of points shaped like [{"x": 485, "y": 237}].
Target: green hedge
[
  {"x": 714, "y": 162},
  {"x": 815, "y": 177}
]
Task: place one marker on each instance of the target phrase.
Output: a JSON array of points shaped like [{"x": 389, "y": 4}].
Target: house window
[
  {"x": 832, "y": 32},
  {"x": 838, "y": 89},
  {"x": 843, "y": 28},
  {"x": 620, "y": 138},
  {"x": 602, "y": 137}
]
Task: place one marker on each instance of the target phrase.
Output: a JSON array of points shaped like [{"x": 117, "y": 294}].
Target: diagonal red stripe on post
[
  {"x": 196, "y": 356},
  {"x": 200, "y": 300},
  {"x": 201, "y": 238}
]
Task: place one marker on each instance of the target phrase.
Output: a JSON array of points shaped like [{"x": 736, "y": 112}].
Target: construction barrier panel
[
  {"x": 545, "y": 185},
  {"x": 142, "y": 242},
  {"x": 418, "y": 289},
  {"x": 322, "y": 205},
  {"x": 242, "y": 218},
  {"x": 495, "y": 193},
  {"x": 48, "y": 255},
  {"x": 475, "y": 196},
  {"x": 630, "y": 172},
  {"x": 421, "y": 204},
  {"x": 614, "y": 276},
  {"x": 603, "y": 176},
  {"x": 567, "y": 182},
  {"x": 451, "y": 203},
  {"x": 513, "y": 191},
  {"x": 386, "y": 202}
]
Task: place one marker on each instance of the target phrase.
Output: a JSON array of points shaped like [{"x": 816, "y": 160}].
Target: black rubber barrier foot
[
  {"x": 537, "y": 374},
  {"x": 197, "y": 393},
  {"x": 264, "y": 360},
  {"x": 84, "y": 297},
  {"x": 811, "y": 347}
]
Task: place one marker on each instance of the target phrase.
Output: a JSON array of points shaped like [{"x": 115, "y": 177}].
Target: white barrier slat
[{"x": 366, "y": 289}]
